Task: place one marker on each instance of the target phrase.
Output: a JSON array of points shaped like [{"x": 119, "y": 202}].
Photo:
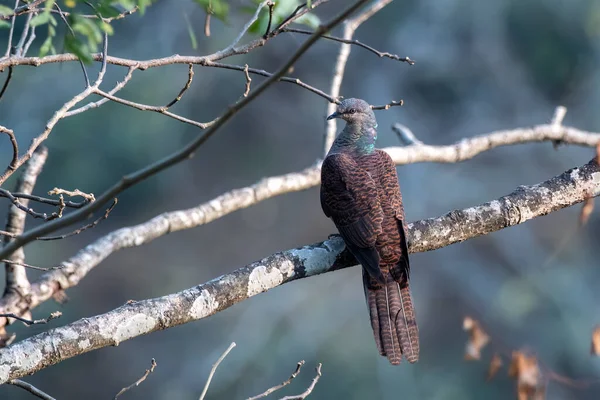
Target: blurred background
[{"x": 480, "y": 67}]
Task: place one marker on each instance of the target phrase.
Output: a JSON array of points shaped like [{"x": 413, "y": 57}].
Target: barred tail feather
[{"x": 392, "y": 319}]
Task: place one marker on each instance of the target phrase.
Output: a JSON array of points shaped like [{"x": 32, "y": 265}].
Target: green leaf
[
  {"x": 127, "y": 4},
  {"x": 46, "y": 46},
  {"x": 106, "y": 27},
  {"x": 4, "y": 24},
  {"x": 191, "y": 32},
  {"x": 310, "y": 20},
  {"x": 74, "y": 45},
  {"x": 4, "y": 10},
  {"x": 107, "y": 10},
  {"x": 40, "y": 19}
]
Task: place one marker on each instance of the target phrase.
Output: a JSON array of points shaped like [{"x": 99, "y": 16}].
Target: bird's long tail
[{"x": 392, "y": 318}]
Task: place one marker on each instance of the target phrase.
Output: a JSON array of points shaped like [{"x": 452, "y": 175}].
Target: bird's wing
[
  {"x": 391, "y": 186},
  {"x": 349, "y": 197}
]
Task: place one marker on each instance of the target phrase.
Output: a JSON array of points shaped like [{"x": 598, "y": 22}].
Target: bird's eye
[{"x": 352, "y": 111}]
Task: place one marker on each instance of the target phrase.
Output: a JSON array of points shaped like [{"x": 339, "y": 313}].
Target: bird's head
[{"x": 353, "y": 111}]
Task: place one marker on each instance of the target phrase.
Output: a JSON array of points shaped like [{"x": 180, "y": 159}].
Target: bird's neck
[{"x": 357, "y": 137}]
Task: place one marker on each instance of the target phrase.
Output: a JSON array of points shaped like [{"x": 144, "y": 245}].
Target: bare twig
[
  {"x": 29, "y": 42},
  {"x": 271, "y": 7},
  {"x": 389, "y": 105},
  {"x": 31, "y": 8},
  {"x": 6, "y": 82},
  {"x": 22, "y": 205},
  {"x": 178, "y": 156},
  {"x": 261, "y": 72},
  {"x": 207, "y": 25},
  {"x": 44, "y": 200},
  {"x": 83, "y": 228},
  {"x": 30, "y": 266},
  {"x": 13, "y": 164},
  {"x": 16, "y": 276},
  {"x": 308, "y": 390},
  {"x": 89, "y": 197},
  {"x": 28, "y": 322},
  {"x": 354, "y": 42},
  {"x": 281, "y": 385},
  {"x": 96, "y": 104},
  {"x": 350, "y": 26},
  {"x": 24, "y": 33},
  {"x": 31, "y": 389},
  {"x": 214, "y": 368},
  {"x": 201, "y": 301},
  {"x": 248, "y": 81},
  {"x": 139, "y": 381},
  {"x": 185, "y": 88},
  {"x": 406, "y": 136},
  {"x": 12, "y": 29}
]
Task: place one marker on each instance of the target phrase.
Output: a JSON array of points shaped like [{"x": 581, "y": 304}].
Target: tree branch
[
  {"x": 143, "y": 317},
  {"x": 16, "y": 274},
  {"x": 180, "y": 155},
  {"x": 31, "y": 389},
  {"x": 73, "y": 270}
]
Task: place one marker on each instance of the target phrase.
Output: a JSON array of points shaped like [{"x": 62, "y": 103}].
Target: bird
[{"x": 361, "y": 194}]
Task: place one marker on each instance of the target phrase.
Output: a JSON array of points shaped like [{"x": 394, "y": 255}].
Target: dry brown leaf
[
  {"x": 528, "y": 375},
  {"x": 595, "y": 350},
  {"x": 586, "y": 211},
  {"x": 495, "y": 365},
  {"x": 598, "y": 153},
  {"x": 477, "y": 339}
]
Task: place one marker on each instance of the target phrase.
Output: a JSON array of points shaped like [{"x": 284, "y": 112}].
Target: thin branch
[
  {"x": 185, "y": 88},
  {"x": 308, "y": 390},
  {"x": 11, "y": 135},
  {"x": 354, "y": 42},
  {"x": 180, "y": 155},
  {"x": 6, "y": 82},
  {"x": 16, "y": 275},
  {"x": 271, "y": 8},
  {"x": 64, "y": 19},
  {"x": 157, "y": 109},
  {"x": 21, "y": 43},
  {"x": 89, "y": 197},
  {"x": 29, "y": 322},
  {"x": 44, "y": 200},
  {"x": 30, "y": 266},
  {"x": 262, "y": 72},
  {"x": 389, "y": 105},
  {"x": 248, "y": 81},
  {"x": 22, "y": 205},
  {"x": 83, "y": 228},
  {"x": 96, "y": 104},
  {"x": 281, "y": 385},
  {"x": 214, "y": 368},
  {"x": 350, "y": 27},
  {"x": 198, "y": 302},
  {"x": 12, "y": 29},
  {"x": 139, "y": 381},
  {"x": 29, "y": 42},
  {"x": 207, "y": 25},
  {"x": 31, "y": 389}
]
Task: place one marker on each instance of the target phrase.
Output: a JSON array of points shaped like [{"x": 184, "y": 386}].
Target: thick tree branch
[
  {"x": 16, "y": 274},
  {"x": 180, "y": 155},
  {"x": 73, "y": 270},
  {"x": 143, "y": 317}
]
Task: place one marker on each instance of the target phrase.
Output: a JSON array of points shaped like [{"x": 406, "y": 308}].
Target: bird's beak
[{"x": 334, "y": 115}]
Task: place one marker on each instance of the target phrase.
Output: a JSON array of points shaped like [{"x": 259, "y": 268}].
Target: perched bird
[{"x": 361, "y": 194}]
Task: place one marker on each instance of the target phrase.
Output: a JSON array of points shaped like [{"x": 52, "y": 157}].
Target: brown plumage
[{"x": 361, "y": 194}]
